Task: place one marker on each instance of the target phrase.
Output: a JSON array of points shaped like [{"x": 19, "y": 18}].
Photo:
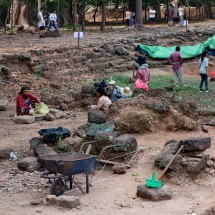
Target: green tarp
[{"x": 161, "y": 52}]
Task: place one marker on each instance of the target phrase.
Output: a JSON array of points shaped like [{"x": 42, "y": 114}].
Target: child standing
[{"x": 203, "y": 67}]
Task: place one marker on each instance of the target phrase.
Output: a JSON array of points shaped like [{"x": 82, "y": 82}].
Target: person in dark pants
[{"x": 203, "y": 67}]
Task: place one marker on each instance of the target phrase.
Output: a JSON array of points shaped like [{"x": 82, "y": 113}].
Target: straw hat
[
  {"x": 126, "y": 91},
  {"x": 112, "y": 82}
]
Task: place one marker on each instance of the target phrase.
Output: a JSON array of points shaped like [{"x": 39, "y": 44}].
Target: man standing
[
  {"x": 152, "y": 13},
  {"x": 41, "y": 23},
  {"x": 181, "y": 15},
  {"x": 175, "y": 59},
  {"x": 171, "y": 15},
  {"x": 53, "y": 20},
  {"x": 128, "y": 17}
]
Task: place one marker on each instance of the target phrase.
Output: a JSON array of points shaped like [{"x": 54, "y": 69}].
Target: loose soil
[{"x": 109, "y": 194}]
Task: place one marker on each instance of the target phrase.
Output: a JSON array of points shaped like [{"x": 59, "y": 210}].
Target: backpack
[{"x": 167, "y": 13}]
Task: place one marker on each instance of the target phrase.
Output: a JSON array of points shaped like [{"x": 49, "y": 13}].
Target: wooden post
[
  {"x": 186, "y": 25},
  {"x": 78, "y": 39},
  {"x": 136, "y": 29}
]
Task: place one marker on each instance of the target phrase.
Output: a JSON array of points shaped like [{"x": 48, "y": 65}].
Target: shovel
[{"x": 156, "y": 183}]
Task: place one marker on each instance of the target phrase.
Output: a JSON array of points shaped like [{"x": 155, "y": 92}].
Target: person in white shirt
[
  {"x": 53, "y": 20},
  {"x": 131, "y": 21},
  {"x": 181, "y": 15},
  {"x": 128, "y": 17},
  {"x": 152, "y": 13},
  {"x": 41, "y": 23},
  {"x": 203, "y": 71}
]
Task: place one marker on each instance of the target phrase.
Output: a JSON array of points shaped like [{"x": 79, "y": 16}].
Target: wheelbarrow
[{"x": 64, "y": 166}]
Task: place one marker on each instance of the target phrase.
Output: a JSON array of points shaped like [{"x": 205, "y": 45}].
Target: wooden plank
[{"x": 109, "y": 162}]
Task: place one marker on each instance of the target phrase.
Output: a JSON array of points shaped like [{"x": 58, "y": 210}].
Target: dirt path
[{"x": 117, "y": 194}]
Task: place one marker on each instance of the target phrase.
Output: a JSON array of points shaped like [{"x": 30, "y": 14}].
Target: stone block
[
  {"x": 153, "y": 194},
  {"x": 3, "y": 104},
  {"x": 25, "y": 119},
  {"x": 97, "y": 116},
  {"x": 63, "y": 201},
  {"x": 29, "y": 164}
]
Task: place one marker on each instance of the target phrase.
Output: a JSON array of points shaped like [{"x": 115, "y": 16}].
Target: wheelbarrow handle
[
  {"x": 107, "y": 147},
  {"x": 86, "y": 143}
]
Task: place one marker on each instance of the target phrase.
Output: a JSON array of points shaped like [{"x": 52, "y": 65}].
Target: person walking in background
[
  {"x": 176, "y": 60},
  {"x": 171, "y": 14},
  {"x": 53, "y": 20},
  {"x": 41, "y": 23},
  {"x": 152, "y": 14},
  {"x": 181, "y": 15},
  {"x": 128, "y": 17},
  {"x": 203, "y": 67},
  {"x": 131, "y": 21}
]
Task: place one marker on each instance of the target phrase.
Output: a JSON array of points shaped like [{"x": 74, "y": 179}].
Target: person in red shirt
[
  {"x": 25, "y": 101},
  {"x": 176, "y": 60}
]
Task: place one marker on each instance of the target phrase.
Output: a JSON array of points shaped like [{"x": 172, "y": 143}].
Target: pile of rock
[
  {"x": 193, "y": 159},
  {"x": 51, "y": 116}
]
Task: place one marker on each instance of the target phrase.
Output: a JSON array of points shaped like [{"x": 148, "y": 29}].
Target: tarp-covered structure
[{"x": 162, "y": 52}]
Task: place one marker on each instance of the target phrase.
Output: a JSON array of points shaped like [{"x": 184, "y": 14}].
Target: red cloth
[
  {"x": 139, "y": 84},
  {"x": 176, "y": 60},
  {"x": 144, "y": 75},
  {"x": 20, "y": 101}
]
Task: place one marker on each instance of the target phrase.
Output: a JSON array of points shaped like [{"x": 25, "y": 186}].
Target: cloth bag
[{"x": 41, "y": 108}]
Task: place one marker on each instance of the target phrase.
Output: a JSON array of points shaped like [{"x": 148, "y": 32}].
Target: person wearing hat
[
  {"x": 116, "y": 91},
  {"x": 171, "y": 14},
  {"x": 126, "y": 92},
  {"x": 25, "y": 102},
  {"x": 103, "y": 101}
]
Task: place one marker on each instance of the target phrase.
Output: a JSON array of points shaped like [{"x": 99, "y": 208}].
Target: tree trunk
[
  {"x": 39, "y": 4},
  {"x": 103, "y": 16},
  {"x": 20, "y": 14},
  {"x": 83, "y": 15},
  {"x": 158, "y": 10},
  {"x": 208, "y": 9},
  {"x": 74, "y": 12},
  {"x": 139, "y": 10}
]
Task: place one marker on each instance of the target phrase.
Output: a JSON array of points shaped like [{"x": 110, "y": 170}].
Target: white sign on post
[{"x": 78, "y": 34}]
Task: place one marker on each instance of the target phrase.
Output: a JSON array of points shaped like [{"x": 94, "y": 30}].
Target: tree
[
  {"x": 139, "y": 10},
  {"x": 208, "y": 9}
]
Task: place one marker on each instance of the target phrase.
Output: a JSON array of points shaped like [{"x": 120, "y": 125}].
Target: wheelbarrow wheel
[{"x": 57, "y": 187}]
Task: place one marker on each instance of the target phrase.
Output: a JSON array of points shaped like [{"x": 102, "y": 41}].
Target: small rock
[
  {"x": 3, "y": 104},
  {"x": 153, "y": 194},
  {"x": 205, "y": 129},
  {"x": 210, "y": 163},
  {"x": 63, "y": 201},
  {"x": 50, "y": 117},
  {"x": 97, "y": 116},
  {"x": 37, "y": 201},
  {"x": 127, "y": 142},
  {"x": 29, "y": 164},
  {"x": 119, "y": 168},
  {"x": 25, "y": 119},
  {"x": 212, "y": 171},
  {"x": 5, "y": 153},
  {"x": 89, "y": 101},
  {"x": 64, "y": 107}
]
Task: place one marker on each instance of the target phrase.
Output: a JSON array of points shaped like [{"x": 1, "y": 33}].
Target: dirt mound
[{"x": 138, "y": 115}]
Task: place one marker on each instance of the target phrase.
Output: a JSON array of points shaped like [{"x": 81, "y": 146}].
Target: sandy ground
[{"x": 110, "y": 194}]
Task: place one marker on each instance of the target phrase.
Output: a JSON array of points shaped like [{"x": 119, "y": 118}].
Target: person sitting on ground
[
  {"x": 144, "y": 76},
  {"x": 176, "y": 60},
  {"x": 103, "y": 101},
  {"x": 53, "y": 20},
  {"x": 126, "y": 92},
  {"x": 41, "y": 23},
  {"x": 25, "y": 102},
  {"x": 115, "y": 91}
]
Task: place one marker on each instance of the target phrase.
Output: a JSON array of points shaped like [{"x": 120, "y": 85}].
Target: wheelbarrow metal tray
[{"x": 69, "y": 163}]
